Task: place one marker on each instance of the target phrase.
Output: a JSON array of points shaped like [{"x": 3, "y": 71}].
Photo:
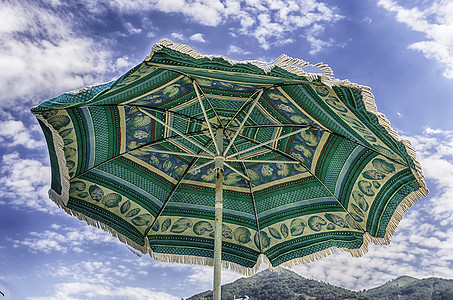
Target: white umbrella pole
[{"x": 218, "y": 217}]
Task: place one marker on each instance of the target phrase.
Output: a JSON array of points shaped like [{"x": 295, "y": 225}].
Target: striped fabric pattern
[{"x": 314, "y": 166}]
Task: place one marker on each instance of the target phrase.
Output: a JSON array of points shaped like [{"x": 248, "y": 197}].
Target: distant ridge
[
  {"x": 409, "y": 288},
  {"x": 280, "y": 284},
  {"x": 288, "y": 285}
]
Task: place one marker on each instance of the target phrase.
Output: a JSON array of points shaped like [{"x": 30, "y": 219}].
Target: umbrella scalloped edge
[
  {"x": 209, "y": 261},
  {"x": 291, "y": 65},
  {"x": 60, "y": 199},
  {"x": 397, "y": 216}
]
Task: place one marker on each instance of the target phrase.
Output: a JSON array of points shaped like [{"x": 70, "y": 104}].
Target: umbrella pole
[{"x": 218, "y": 217}]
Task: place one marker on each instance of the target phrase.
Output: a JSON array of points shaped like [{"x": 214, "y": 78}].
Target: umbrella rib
[
  {"x": 206, "y": 116},
  {"x": 129, "y": 151},
  {"x": 179, "y": 115},
  {"x": 181, "y": 153},
  {"x": 234, "y": 170},
  {"x": 268, "y": 142},
  {"x": 191, "y": 78},
  {"x": 243, "y": 121},
  {"x": 240, "y": 110},
  {"x": 262, "y": 161},
  {"x": 177, "y": 131},
  {"x": 209, "y": 102},
  {"x": 273, "y": 126},
  {"x": 186, "y": 171},
  {"x": 311, "y": 173},
  {"x": 202, "y": 165},
  {"x": 137, "y": 106},
  {"x": 252, "y": 196}
]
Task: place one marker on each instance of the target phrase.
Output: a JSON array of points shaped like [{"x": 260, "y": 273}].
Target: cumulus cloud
[
  {"x": 270, "y": 22},
  {"x": 275, "y": 22},
  {"x": 436, "y": 22},
  {"x": 75, "y": 290},
  {"x": 237, "y": 50},
  {"x": 24, "y": 183},
  {"x": 317, "y": 44},
  {"x": 197, "y": 37},
  {"x": 42, "y": 53},
  {"x": 435, "y": 148},
  {"x": 131, "y": 29},
  {"x": 64, "y": 239},
  {"x": 14, "y": 133},
  {"x": 177, "y": 36},
  {"x": 90, "y": 279},
  {"x": 203, "y": 275}
]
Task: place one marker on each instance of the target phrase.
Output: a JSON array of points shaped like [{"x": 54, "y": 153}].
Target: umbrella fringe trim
[
  {"x": 308, "y": 258},
  {"x": 287, "y": 63},
  {"x": 205, "y": 261},
  {"x": 370, "y": 106},
  {"x": 63, "y": 198},
  {"x": 122, "y": 238},
  {"x": 397, "y": 216},
  {"x": 291, "y": 65}
]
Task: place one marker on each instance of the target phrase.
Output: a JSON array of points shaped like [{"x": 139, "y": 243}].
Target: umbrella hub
[{"x": 218, "y": 160}]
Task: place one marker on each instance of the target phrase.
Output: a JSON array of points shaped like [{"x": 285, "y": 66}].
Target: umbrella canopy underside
[{"x": 309, "y": 163}]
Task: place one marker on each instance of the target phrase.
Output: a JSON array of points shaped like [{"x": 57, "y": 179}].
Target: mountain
[
  {"x": 280, "y": 284},
  {"x": 288, "y": 285},
  {"x": 406, "y": 287}
]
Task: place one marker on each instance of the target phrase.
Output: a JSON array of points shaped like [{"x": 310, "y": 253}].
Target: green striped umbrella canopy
[{"x": 304, "y": 162}]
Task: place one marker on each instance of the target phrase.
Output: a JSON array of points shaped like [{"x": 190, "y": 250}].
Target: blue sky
[{"x": 402, "y": 49}]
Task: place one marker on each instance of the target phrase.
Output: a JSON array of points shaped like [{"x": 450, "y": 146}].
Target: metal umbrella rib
[
  {"x": 163, "y": 142},
  {"x": 311, "y": 173}
]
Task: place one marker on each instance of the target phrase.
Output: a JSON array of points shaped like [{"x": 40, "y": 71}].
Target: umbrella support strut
[{"x": 218, "y": 217}]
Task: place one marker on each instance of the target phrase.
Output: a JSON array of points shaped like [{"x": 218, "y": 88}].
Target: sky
[{"x": 402, "y": 49}]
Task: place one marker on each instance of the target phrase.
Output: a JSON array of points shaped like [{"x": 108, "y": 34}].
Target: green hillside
[
  {"x": 406, "y": 287},
  {"x": 285, "y": 284},
  {"x": 281, "y": 284}
]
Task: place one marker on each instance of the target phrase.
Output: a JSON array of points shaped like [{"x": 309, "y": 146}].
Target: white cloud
[
  {"x": 197, "y": 37},
  {"x": 435, "y": 148},
  {"x": 237, "y": 50},
  {"x": 206, "y": 12},
  {"x": 41, "y": 53},
  {"x": 316, "y": 43},
  {"x": 14, "y": 133},
  {"x": 131, "y": 29},
  {"x": 21, "y": 186},
  {"x": 43, "y": 50},
  {"x": 203, "y": 275},
  {"x": 97, "y": 280},
  {"x": 271, "y": 22},
  {"x": 65, "y": 239},
  {"x": 177, "y": 36},
  {"x": 75, "y": 290},
  {"x": 436, "y": 22}
]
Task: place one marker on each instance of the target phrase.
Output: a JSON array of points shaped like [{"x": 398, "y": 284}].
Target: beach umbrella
[{"x": 200, "y": 159}]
